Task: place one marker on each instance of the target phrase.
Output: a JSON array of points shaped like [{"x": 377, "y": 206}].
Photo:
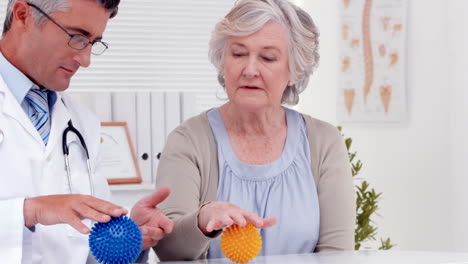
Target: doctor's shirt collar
[{"x": 18, "y": 83}]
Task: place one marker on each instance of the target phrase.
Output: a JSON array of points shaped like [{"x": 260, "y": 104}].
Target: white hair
[{"x": 248, "y": 16}]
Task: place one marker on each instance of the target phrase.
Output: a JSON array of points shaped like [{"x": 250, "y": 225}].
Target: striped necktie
[{"x": 37, "y": 99}]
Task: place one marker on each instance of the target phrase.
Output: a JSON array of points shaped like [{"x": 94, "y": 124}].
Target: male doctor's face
[{"x": 52, "y": 62}]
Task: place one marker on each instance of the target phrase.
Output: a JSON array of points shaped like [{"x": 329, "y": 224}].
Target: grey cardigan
[{"x": 189, "y": 165}]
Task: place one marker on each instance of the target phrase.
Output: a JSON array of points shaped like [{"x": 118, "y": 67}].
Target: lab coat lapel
[
  {"x": 9, "y": 106},
  {"x": 60, "y": 118}
]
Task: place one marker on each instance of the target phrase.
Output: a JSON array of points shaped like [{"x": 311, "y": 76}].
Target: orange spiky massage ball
[{"x": 241, "y": 244}]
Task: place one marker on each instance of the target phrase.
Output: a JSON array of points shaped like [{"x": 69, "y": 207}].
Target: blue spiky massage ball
[{"x": 118, "y": 241}]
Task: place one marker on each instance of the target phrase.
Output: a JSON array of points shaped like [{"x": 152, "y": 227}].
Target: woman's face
[{"x": 256, "y": 69}]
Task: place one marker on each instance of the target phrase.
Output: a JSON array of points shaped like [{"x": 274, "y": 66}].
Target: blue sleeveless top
[{"x": 284, "y": 189}]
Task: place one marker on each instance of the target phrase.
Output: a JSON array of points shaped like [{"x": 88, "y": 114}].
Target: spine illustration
[{"x": 366, "y": 43}]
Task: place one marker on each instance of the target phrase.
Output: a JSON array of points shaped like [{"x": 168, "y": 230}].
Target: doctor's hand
[
  {"x": 69, "y": 209},
  {"x": 152, "y": 222},
  {"x": 217, "y": 215}
]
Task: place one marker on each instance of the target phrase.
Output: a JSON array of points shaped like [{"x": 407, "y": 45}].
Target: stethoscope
[{"x": 66, "y": 152}]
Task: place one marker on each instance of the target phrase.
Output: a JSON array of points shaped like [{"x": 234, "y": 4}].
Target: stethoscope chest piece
[{"x": 2, "y": 136}]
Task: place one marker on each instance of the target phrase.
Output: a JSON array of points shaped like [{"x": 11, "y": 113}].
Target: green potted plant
[{"x": 366, "y": 205}]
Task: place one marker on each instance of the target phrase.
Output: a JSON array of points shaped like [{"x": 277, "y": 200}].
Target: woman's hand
[{"x": 217, "y": 215}]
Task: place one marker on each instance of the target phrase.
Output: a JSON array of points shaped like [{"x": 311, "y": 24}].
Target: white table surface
[{"x": 352, "y": 257}]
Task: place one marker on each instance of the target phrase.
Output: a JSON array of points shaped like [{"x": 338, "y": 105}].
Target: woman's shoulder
[
  {"x": 195, "y": 131},
  {"x": 195, "y": 125},
  {"x": 319, "y": 130},
  {"x": 317, "y": 123},
  {"x": 313, "y": 124}
]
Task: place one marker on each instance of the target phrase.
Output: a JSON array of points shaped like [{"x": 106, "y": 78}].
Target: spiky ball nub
[
  {"x": 118, "y": 241},
  {"x": 241, "y": 244}
]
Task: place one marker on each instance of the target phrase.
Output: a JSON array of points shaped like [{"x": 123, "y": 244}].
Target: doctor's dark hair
[
  {"x": 249, "y": 16},
  {"x": 51, "y": 6}
]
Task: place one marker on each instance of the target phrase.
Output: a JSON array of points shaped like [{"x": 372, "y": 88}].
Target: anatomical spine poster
[{"x": 372, "y": 61}]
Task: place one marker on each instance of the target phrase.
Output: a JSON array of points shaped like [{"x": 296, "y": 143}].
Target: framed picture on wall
[
  {"x": 117, "y": 157},
  {"x": 372, "y": 61}
]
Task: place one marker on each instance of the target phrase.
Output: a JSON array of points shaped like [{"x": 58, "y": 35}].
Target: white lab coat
[{"x": 29, "y": 169}]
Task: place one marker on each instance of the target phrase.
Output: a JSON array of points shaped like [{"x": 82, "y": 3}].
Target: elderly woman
[{"x": 253, "y": 160}]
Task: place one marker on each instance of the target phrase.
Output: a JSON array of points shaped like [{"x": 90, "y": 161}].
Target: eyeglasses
[{"x": 78, "y": 41}]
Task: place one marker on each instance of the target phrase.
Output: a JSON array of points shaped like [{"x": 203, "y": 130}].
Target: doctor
[{"x": 47, "y": 211}]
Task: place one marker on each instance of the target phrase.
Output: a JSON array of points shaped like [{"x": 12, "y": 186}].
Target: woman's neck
[{"x": 264, "y": 121}]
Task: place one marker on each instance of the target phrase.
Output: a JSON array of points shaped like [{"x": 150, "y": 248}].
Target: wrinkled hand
[
  {"x": 217, "y": 215},
  {"x": 152, "y": 222},
  {"x": 69, "y": 209}
]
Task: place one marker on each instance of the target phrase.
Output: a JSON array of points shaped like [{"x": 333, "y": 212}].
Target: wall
[
  {"x": 417, "y": 165},
  {"x": 458, "y": 56}
]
